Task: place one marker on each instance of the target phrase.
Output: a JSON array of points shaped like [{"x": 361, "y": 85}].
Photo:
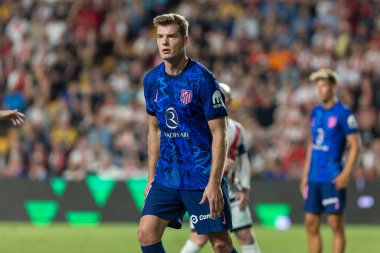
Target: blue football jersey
[
  {"x": 329, "y": 128},
  {"x": 183, "y": 104}
]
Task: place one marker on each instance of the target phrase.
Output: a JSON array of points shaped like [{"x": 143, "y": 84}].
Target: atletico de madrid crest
[
  {"x": 331, "y": 122},
  {"x": 186, "y": 96}
]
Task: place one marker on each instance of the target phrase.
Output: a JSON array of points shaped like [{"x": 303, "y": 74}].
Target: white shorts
[{"x": 240, "y": 218}]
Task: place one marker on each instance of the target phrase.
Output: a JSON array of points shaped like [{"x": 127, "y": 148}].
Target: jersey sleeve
[
  {"x": 312, "y": 117},
  {"x": 241, "y": 149},
  {"x": 349, "y": 123},
  {"x": 212, "y": 99},
  {"x": 148, "y": 96},
  {"x": 241, "y": 141}
]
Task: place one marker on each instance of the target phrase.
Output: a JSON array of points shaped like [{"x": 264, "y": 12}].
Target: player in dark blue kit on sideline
[
  {"x": 187, "y": 145},
  {"x": 325, "y": 177}
]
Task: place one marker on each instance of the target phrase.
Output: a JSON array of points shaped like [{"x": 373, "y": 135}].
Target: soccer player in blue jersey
[
  {"x": 323, "y": 186},
  {"x": 16, "y": 117},
  {"x": 186, "y": 145}
]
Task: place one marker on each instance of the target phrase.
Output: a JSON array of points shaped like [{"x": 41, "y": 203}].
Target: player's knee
[
  {"x": 146, "y": 237},
  {"x": 200, "y": 240},
  {"x": 141, "y": 236},
  {"x": 245, "y": 237},
  {"x": 221, "y": 246},
  {"x": 312, "y": 226},
  {"x": 335, "y": 225}
]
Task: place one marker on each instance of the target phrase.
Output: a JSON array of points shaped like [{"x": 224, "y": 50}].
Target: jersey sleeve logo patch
[
  {"x": 171, "y": 118},
  {"x": 331, "y": 122},
  {"x": 186, "y": 96},
  {"x": 217, "y": 99},
  {"x": 351, "y": 122}
]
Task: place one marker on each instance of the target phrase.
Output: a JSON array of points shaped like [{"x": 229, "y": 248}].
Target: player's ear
[
  {"x": 185, "y": 40},
  {"x": 335, "y": 88}
]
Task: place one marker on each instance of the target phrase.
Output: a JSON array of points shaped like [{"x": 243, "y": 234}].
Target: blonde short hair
[
  {"x": 173, "y": 18},
  {"x": 325, "y": 74}
]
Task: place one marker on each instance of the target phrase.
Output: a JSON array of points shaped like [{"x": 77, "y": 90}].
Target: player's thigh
[
  {"x": 200, "y": 213},
  {"x": 198, "y": 239},
  {"x": 245, "y": 236},
  {"x": 241, "y": 218},
  {"x": 220, "y": 239},
  {"x": 153, "y": 223},
  {"x": 336, "y": 222},
  {"x": 165, "y": 203},
  {"x": 313, "y": 199},
  {"x": 151, "y": 229},
  {"x": 312, "y": 221},
  {"x": 333, "y": 200}
]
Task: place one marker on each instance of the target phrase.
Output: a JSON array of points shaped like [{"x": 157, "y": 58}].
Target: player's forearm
[
  {"x": 352, "y": 156},
  {"x": 153, "y": 151},
  {"x": 219, "y": 153},
  {"x": 307, "y": 162},
  {"x": 219, "y": 150}
]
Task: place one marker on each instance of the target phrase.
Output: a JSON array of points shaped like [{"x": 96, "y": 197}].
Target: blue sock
[
  {"x": 155, "y": 248},
  {"x": 234, "y": 250}
]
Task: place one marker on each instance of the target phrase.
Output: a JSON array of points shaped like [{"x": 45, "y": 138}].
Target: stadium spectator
[{"x": 236, "y": 40}]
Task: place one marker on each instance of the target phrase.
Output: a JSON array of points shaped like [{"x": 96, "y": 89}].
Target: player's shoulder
[
  {"x": 317, "y": 108},
  {"x": 153, "y": 74},
  {"x": 343, "y": 109},
  {"x": 346, "y": 114},
  {"x": 200, "y": 69}
]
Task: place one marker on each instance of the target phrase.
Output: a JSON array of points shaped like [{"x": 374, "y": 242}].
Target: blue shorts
[
  {"x": 171, "y": 204},
  {"x": 324, "y": 197}
]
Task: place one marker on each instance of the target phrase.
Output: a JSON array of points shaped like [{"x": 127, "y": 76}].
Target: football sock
[
  {"x": 252, "y": 248},
  {"x": 191, "y": 247},
  {"x": 154, "y": 248}
]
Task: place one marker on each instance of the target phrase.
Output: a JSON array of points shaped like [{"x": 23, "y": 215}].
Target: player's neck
[
  {"x": 328, "y": 104},
  {"x": 175, "y": 66}
]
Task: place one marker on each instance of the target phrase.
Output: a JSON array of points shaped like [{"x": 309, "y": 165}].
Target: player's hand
[
  {"x": 148, "y": 186},
  {"x": 228, "y": 164},
  {"x": 303, "y": 188},
  {"x": 214, "y": 194},
  {"x": 16, "y": 117},
  {"x": 243, "y": 198},
  {"x": 341, "y": 181}
]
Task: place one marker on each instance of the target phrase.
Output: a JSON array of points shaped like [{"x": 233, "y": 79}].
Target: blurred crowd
[{"x": 75, "y": 68}]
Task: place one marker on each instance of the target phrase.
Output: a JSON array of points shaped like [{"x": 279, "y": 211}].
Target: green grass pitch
[{"x": 121, "y": 237}]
